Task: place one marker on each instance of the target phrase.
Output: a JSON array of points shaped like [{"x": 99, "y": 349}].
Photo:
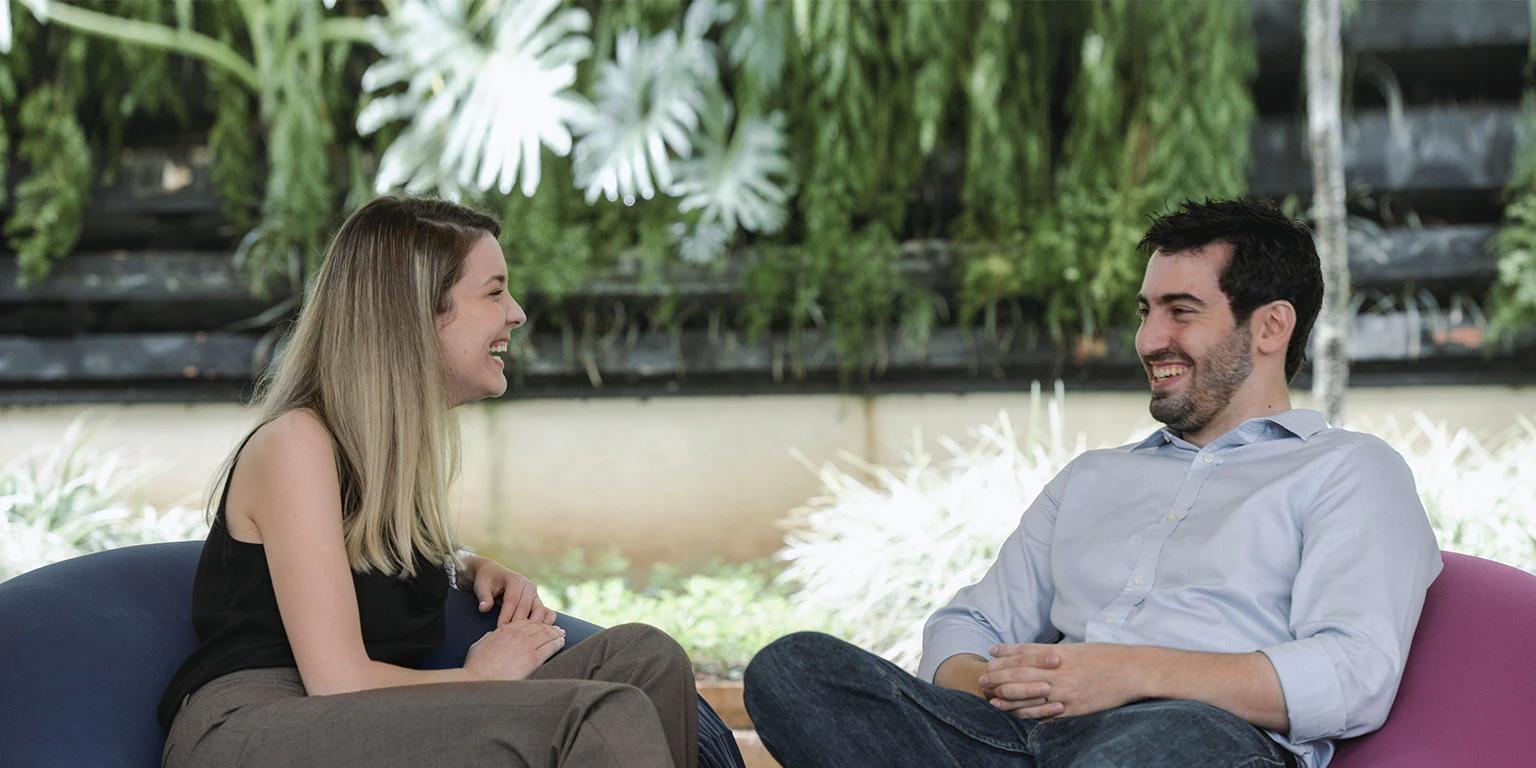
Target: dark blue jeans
[{"x": 819, "y": 701}]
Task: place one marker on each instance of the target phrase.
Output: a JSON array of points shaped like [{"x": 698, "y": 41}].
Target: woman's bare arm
[{"x": 285, "y": 486}]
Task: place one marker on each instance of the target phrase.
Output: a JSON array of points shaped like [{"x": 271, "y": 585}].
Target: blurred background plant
[
  {"x": 722, "y": 614},
  {"x": 1475, "y": 491},
  {"x": 70, "y": 500},
  {"x": 889, "y": 545},
  {"x": 797, "y": 144}
]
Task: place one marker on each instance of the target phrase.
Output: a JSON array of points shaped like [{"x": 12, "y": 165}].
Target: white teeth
[
  {"x": 500, "y": 346},
  {"x": 1168, "y": 371}
]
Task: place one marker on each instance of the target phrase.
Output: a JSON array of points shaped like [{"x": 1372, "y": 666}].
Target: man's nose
[{"x": 1151, "y": 336}]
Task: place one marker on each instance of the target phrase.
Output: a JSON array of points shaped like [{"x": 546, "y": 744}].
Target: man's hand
[{"x": 1036, "y": 681}]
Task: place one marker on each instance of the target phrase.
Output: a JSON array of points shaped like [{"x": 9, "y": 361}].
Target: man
[{"x": 1237, "y": 589}]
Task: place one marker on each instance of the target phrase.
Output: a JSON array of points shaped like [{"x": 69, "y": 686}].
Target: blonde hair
[{"x": 364, "y": 357}]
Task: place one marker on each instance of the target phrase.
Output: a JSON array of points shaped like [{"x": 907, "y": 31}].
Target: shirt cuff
[
  {"x": 949, "y": 639},
  {"x": 1314, "y": 699}
]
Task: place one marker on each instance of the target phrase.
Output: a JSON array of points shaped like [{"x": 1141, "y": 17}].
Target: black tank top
[{"x": 234, "y": 611}]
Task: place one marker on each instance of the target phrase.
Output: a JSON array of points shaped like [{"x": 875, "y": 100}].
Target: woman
[{"x": 320, "y": 589}]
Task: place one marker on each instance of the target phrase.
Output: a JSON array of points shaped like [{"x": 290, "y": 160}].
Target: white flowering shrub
[
  {"x": 65, "y": 501},
  {"x": 884, "y": 547},
  {"x": 1478, "y": 500}
]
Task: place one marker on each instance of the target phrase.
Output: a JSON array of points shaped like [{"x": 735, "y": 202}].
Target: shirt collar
[{"x": 1301, "y": 422}]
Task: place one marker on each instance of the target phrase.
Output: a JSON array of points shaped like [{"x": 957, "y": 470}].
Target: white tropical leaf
[
  {"x": 648, "y": 100},
  {"x": 703, "y": 242},
  {"x": 486, "y": 88},
  {"x": 744, "y": 181}
]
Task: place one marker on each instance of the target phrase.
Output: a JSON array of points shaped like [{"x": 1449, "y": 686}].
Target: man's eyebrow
[{"x": 1169, "y": 298}]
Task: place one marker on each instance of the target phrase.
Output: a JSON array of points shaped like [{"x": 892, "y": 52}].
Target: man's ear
[{"x": 1272, "y": 326}]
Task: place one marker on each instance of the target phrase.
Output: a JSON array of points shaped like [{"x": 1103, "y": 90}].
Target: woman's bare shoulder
[
  {"x": 288, "y": 464},
  {"x": 299, "y": 429}
]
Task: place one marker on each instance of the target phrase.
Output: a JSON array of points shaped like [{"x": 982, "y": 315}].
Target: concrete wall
[{"x": 676, "y": 479}]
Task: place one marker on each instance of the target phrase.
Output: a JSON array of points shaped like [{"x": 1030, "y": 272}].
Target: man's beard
[{"x": 1211, "y": 385}]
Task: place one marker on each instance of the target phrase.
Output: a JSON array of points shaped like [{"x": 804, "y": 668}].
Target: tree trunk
[{"x": 1326, "y": 134}]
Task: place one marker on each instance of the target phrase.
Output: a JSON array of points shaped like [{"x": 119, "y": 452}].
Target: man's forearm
[
  {"x": 1244, "y": 684},
  {"x": 961, "y": 672}
]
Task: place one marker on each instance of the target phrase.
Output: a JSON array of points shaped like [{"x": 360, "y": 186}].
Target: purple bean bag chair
[{"x": 1468, "y": 696}]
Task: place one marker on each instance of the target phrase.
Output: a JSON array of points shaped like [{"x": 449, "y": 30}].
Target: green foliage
[
  {"x": 126, "y": 82},
  {"x": 51, "y": 199},
  {"x": 887, "y": 109},
  {"x": 722, "y": 615},
  {"x": 232, "y": 141},
  {"x": 1513, "y": 298},
  {"x": 300, "y": 199},
  {"x": 7, "y": 97},
  {"x": 1006, "y": 84},
  {"x": 78, "y": 95},
  {"x": 873, "y": 86},
  {"x": 1151, "y": 120},
  {"x": 548, "y": 238}
]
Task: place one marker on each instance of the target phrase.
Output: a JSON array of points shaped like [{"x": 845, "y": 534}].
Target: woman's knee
[{"x": 649, "y": 642}]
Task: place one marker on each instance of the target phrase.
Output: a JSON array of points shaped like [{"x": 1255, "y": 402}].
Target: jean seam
[
  {"x": 989, "y": 741},
  {"x": 1259, "y": 760},
  {"x": 1030, "y": 740}
]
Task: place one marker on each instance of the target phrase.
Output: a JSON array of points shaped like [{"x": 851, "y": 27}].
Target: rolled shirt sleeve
[
  {"x": 1368, "y": 557},
  {"x": 1011, "y": 603}
]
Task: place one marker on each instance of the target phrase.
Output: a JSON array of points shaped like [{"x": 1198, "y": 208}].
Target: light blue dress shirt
[{"x": 1284, "y": 536}]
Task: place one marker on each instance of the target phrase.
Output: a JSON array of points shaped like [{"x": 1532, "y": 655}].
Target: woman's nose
[{"x": 516, "y": 317}]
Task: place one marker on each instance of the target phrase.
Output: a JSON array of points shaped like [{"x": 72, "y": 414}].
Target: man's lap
[
  {"x": 1158, "y": 731},
  {"x": 1145, "y": 733}
]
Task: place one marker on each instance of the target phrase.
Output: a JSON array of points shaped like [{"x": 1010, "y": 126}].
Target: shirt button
[
  {"x": 1140, "y": 579},
  {"x": 1172, "y": 517},
  {"x": 1109, "y": 619},
  {"x": 1209, "y": 458}
]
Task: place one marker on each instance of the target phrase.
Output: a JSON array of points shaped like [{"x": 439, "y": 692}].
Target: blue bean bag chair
[{"x": 87, "y": 646}]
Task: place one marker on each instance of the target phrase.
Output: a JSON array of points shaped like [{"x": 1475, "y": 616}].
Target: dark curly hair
[{"x": 1273, "y": 259}]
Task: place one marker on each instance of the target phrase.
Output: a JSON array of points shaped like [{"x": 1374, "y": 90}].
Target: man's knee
[
  {"x": 794, "y": 654},
  {"x": 801, "y": 664}
]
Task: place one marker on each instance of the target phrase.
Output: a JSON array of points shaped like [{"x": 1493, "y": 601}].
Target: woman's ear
[{"x": 1275, "y": 322}]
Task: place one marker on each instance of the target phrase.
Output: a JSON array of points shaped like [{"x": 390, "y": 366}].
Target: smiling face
[
  {"x": 1196, "y": 356},
  {"x": 473, "y": 334}
]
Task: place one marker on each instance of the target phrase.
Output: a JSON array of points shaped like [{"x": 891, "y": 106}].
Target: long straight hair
[{"x": 364, "y": 357}]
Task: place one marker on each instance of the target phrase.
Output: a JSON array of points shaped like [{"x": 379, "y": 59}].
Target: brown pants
[{"x": 622, "y": 697}]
